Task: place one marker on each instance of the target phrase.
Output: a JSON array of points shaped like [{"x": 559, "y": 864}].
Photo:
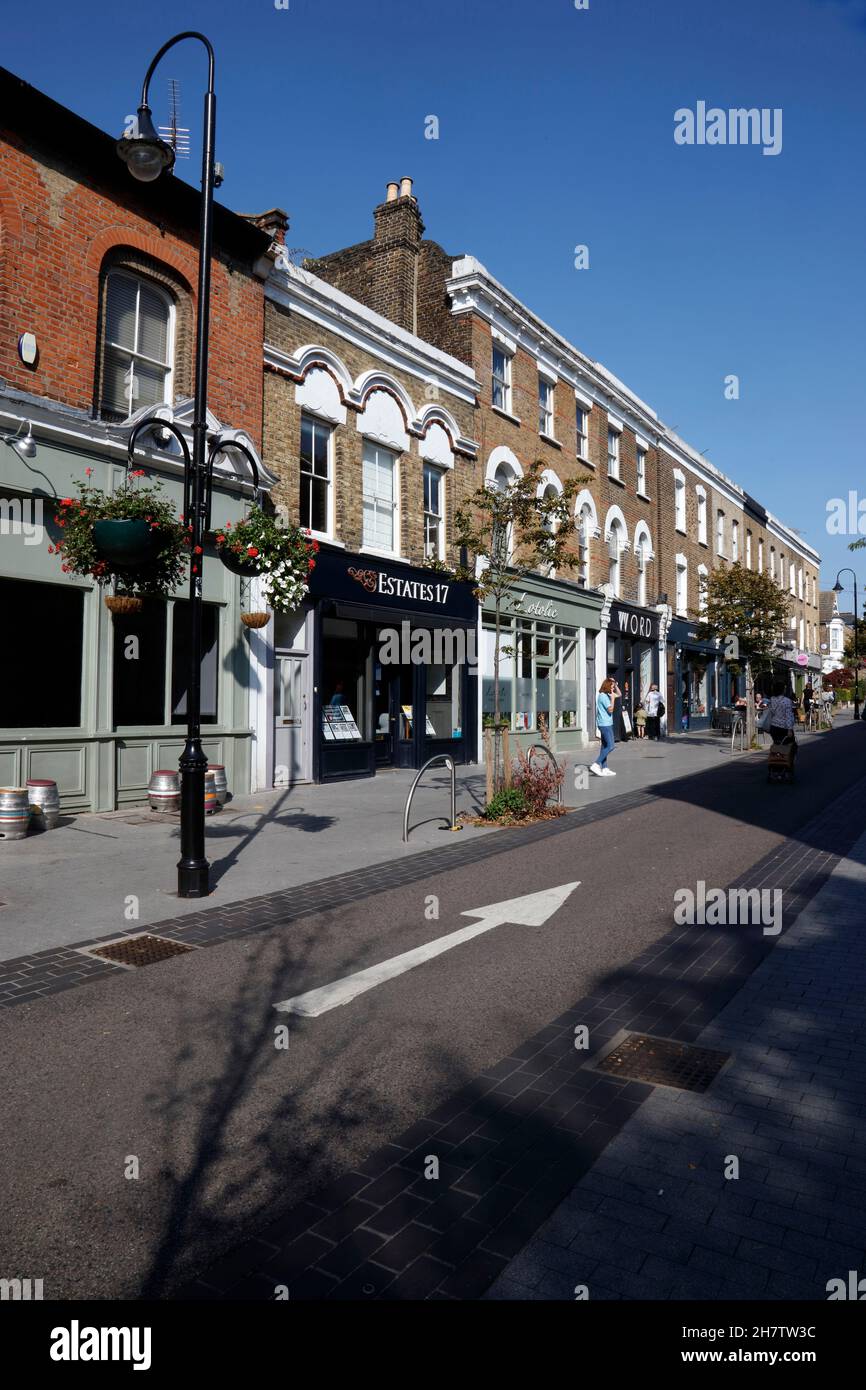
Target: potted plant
[
  {"x": 131, "y": 537},
  {"x": 285, "y": 556}
]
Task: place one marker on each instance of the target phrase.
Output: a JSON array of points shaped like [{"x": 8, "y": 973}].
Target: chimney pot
[
  {"x": 392, "y": 193},
  {"x": 405, "y": 188}
]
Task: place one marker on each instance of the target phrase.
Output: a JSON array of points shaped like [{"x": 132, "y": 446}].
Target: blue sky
[{"x": 556, "y": 129}]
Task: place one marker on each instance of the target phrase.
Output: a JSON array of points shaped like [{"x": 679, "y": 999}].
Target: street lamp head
[
  {"x": 143, "y": 152},
  {"x": 838, "y": 588}
]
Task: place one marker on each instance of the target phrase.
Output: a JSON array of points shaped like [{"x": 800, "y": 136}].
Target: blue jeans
[{"x": 607, "y": 742}]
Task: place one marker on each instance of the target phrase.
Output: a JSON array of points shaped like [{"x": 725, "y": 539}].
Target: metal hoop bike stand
[
  {"x": 449, "y": 763},
  {"x": 544, "y": 749}
]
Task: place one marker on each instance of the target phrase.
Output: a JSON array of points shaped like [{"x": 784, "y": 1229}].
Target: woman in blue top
[{"x": 607, "y": 696}]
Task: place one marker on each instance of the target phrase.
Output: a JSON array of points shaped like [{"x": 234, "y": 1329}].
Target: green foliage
[
  {"x": 76, "y": 517},
  {"x": 507, "y": 804},
  {"x": 748, "y": 605},
  {"x": 283, "y": 554}
]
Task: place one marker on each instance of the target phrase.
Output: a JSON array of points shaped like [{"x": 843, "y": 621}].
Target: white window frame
[
  {"x": 119, "y": 273},
  {"x": 546, "y": 403},
  {"x": 679, "y": 501},
  {"x": 641, "y": 470},
  {"x": 760, "y": 554},
  {"x": 703, "y": 577},
  {"x": 701, "y": 493},
  {"x": 441, "y": 474},
  {"x": 505, "y": 380},
  {"x": 735, "y": 540},
  {"x": 681, "y": 600},
  {"x": 613, "y": 455},
  {"x": 772, "y": 562},
  {"x": 720, "y": 533},
  {"x": 748, "y": 550},
  {"x": 581, "y": 409},
  {"x": 371, "y": 547},
  {"x": 586, "y": 526},
  {"x": 318, "y": 423}
]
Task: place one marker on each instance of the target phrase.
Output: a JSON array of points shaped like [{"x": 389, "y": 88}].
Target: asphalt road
[{"x": 175, "y": 1066}]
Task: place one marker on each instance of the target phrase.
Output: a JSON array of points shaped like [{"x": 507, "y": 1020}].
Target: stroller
[{"x": 780, "y": 761}]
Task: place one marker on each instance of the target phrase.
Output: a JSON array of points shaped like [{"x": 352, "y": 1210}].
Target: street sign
[{"x": 533, "y": 910}]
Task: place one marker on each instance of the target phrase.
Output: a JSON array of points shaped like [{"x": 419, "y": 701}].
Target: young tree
[
  {"x": 748, "y": 613},
  {"x": 508, "y": 533}
]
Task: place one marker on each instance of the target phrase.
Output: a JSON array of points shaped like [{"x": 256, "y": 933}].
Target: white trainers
[
  {"x": 608, "y": 772},
  {"x": 594, "y": 767}
]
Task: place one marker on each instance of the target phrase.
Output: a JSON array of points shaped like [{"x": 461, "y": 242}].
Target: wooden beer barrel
[
  {"x": 44, "y": 802},
  {"x": 221, "y": 781},
  {"x": 163, "y": 789},
  {"x": 14, "y": 813},
  {"x": 211, "y": 803}
]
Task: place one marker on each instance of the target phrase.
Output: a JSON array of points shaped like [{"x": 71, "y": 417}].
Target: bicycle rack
[
  {"x": 544, "y": 749},
  {"x": 738, "y": 726},
  {"x": 449, "y": 762}
]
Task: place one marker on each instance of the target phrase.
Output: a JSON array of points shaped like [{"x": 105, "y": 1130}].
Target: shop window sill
[{"x": 384, "y": 555}]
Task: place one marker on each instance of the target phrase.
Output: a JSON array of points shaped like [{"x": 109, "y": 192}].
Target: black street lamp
[
  {"x": 837, "y": 589},
  {"x": 146, "y": 156}
]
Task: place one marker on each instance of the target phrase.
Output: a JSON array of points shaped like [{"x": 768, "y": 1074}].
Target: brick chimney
[{"x": 395, "y": 251}]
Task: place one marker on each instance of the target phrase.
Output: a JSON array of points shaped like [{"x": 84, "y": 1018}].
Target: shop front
[
  {"x": 394, "y": 672},
  {"x": 632, "y": 656},
  {"x": 94, "y": 701},
  {"x": 546, "y": 661},
  {"x": 693, "y": 677}
]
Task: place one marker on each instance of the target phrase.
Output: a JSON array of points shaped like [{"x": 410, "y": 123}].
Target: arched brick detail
[{"x": 186, "y": 264}]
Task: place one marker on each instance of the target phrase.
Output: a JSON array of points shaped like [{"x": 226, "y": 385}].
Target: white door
[{"x": 291, "y": 750}]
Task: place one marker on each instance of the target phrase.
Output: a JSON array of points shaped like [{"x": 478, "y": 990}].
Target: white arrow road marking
[{"x": 532, "y": 910}]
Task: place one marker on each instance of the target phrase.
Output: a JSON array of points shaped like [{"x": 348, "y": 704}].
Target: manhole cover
[
  {"x": 141, "y": 950},
  {"x": 663, "y": 1062}
]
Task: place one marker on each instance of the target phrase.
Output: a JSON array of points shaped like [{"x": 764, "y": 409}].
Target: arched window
[
  {"x": 138, "y": 345},
  {"x": 615, "y": 538}
]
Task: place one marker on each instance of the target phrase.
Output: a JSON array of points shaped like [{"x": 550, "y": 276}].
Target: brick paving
[
  {"x": 646, "y": 1220},
  {"x": 655, "y": 1217},
  {"x": 64, "y": 967}
]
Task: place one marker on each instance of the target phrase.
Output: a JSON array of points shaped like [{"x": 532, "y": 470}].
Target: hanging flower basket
[
  {"x": 255, "y": 619},
  {"x": 125, "y": 543},
  {"x": 284, "y": 556},
  {"x": 132, "y": 535},
  {"x": 123, "y": 604}
]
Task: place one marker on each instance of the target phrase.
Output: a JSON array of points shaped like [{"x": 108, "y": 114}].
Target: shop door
[
  {"x": 393, "y": 716},
  {"x": 291, "y": 726}
]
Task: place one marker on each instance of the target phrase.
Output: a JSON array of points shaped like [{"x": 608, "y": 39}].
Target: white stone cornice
[{"x": 316, "y": 301}]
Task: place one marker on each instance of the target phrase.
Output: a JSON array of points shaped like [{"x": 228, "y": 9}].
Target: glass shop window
[
  {"x": 566, "y": 682},
  {"x": 139, "y": 666},
  {"x": 41, "y": 632},
  {"x": 506, "y": 675},
  {"x": 180, "y": 662},
  {"x": 346, "y": 669},
  {"x": 444, "y": 702}
]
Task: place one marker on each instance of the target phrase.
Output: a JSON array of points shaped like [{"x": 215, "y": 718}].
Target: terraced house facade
[{"x": 653, "y": 516}]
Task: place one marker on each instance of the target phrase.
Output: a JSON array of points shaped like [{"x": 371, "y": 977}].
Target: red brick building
[{"x": 98, "y": 279}]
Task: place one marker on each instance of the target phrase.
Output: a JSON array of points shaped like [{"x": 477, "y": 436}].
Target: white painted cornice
[{"x": 315, "y": 300}]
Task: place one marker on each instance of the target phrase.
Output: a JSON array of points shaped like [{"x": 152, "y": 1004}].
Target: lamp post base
[
  {"x": 193, "y": 869},
  {"x": 193, "y": 880}
]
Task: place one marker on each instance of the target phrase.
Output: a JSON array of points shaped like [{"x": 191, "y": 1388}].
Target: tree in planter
[
  {"x": 159, "y": 572},
  {"x": 747, "y": 612},
  {"x": 509, "y": 533}
]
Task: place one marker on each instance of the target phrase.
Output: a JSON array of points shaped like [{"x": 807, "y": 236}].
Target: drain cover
[
  {"x": 141, "y": 950},
  {"x": 663, "y": 1062}
]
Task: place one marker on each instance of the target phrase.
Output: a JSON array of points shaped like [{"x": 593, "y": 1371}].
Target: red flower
[
  {"x": 65, "y": 569},
  {"x": 316, "y": 546},
  {"x": 311, "y": 565},
  {"x": 195, "y": 569},
  {"x": 221, "y": 539},
  {"x": 66, "y": 501},
  {"x": 252, "y": 552},
  {"x": 51, "y": 550},
  {"x": 197, "y": 550},
  {"x": 88, "y": 471}
]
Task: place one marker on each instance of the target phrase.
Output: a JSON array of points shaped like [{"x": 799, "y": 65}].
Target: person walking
[
  {"x": 607, "y": 697},
  {"x": 782, "y": 716},
  {"x": 654, "y": 711}
]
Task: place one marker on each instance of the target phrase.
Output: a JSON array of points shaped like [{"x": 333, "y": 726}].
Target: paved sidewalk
[
  {"x": 73, "y": 883},
  {"x": 655, "y": 1217}
]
